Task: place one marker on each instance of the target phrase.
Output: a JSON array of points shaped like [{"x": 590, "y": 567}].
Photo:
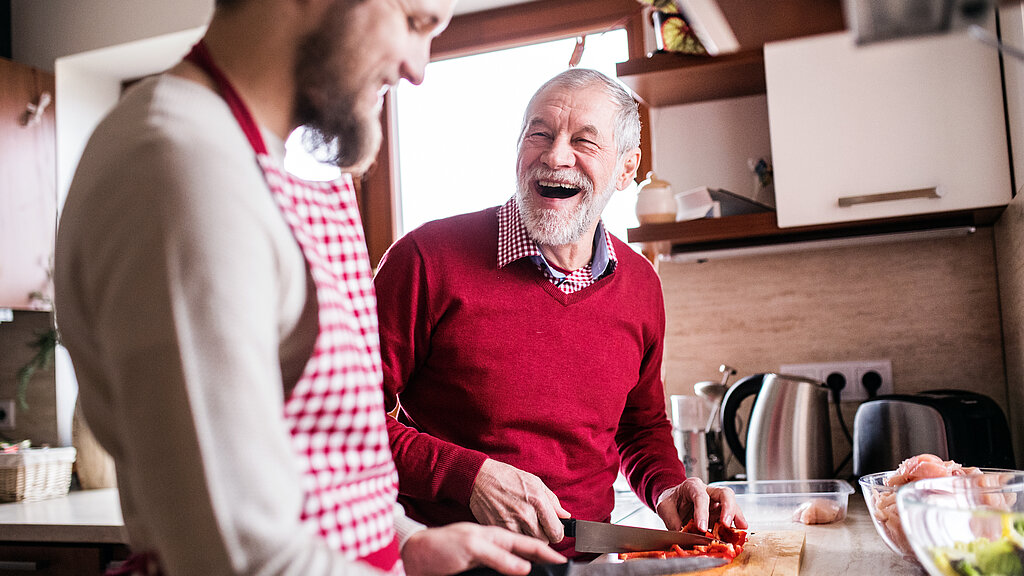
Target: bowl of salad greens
[{"x": 966, "y": 525}]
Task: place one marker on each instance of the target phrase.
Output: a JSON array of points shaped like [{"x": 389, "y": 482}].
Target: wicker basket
[{"x": 35, "y": 474}]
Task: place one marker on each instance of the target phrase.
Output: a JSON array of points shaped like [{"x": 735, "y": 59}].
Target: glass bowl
[
  {"x": 885, "y": 515},
  {"x": 966, "y": 524},
  {"x": 881, "y": 501}
]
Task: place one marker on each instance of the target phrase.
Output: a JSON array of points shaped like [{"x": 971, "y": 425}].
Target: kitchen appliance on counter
[
  {"x": 714, "y": 392},
  {"x": 789, "y": 436},
  {"x": 966, "y": 427},
  {"x": 688, "y": 416}
]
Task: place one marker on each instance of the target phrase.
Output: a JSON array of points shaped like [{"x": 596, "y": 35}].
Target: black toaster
[{"x": 958, "y": 425}]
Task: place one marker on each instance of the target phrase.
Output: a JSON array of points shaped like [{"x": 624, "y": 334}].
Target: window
[
  {"x": 457, "y": 132},
  {"x": 477, "y": 33}
]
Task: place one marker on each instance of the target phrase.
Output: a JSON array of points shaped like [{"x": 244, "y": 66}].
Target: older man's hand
[
  {"x": 704, "y": 504},
  {"x": 458, "y": 547},
  {"x": 506, "y": 496}
]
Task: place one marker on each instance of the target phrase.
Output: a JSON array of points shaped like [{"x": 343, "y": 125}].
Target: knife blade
[
  {"x": 603, "y": 537},
  {"x": 638, "y": 567},
  {"x": 647, "y": 566}
]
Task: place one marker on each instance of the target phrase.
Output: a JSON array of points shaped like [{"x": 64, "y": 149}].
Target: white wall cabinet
[
  {"x": 867, "y": 126},
  {"x": 28, "y": 191}
]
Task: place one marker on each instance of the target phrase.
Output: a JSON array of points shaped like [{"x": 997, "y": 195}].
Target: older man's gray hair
[{"x": 627, "y": 117}]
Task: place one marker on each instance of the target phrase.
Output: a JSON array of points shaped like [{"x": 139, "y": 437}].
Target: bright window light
[
  {"x": 302, "y": 164},
  {"x": 457, "y": 131}
]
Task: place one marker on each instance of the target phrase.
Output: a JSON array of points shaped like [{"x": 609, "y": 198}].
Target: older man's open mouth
[{"x": 549, "y": 189}]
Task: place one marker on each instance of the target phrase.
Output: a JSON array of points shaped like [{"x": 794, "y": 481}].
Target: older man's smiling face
[{"x": 568, "y": 165}]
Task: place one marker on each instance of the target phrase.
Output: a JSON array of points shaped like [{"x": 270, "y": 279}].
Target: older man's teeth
[{"x": 550, "y": 189}]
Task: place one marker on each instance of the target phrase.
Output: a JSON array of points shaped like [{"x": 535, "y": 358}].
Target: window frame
[{"x": 487, "y": 31}]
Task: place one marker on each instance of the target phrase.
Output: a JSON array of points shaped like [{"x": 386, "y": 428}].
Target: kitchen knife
[
  {"x": 603, "y": 537},
  {"x": 638, "y": 567}
]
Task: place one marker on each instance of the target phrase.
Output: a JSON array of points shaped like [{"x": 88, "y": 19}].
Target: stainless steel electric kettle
[{"x": 789, "y": 436}]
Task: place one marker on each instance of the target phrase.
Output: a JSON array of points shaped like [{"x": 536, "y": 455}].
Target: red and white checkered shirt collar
[{"x": 514, "y": 241}]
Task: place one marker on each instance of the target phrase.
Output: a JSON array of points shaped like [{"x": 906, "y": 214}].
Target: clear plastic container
[{"x": 791, "y": 501}]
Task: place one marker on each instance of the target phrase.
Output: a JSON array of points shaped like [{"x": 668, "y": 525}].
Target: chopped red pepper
[
  {"x": 650, "y": 554},
  {"x": 726, "y": 543}
]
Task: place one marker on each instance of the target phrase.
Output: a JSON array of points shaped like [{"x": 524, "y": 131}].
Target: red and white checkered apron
[{"x": 336, "y": 411}]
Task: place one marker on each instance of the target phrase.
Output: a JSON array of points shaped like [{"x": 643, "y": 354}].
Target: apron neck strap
[{"x": 200, "y": 56}]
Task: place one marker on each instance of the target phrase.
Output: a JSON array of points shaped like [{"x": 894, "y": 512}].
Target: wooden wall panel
[
  {"x": 39, "y": 422},
  {"x": 930, "y": 306}
]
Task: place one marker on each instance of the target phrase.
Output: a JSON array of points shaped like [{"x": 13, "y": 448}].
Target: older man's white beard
[{"x": 555, "y": 227}]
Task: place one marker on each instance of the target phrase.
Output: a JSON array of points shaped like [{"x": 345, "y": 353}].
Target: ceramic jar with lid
[{"x": 654, "y": 201}]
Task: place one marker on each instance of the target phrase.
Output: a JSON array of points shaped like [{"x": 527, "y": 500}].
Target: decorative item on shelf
[
  {"x": 696, "y": 203},
  {"x": 764, "y": 182},
  {"x": 671, "y": 31},
  {"x": 734, "y": 204},
  {"x": 655, "y": 203}
]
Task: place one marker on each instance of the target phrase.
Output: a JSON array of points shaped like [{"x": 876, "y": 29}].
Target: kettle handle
[{"x": 749, "y": 386}]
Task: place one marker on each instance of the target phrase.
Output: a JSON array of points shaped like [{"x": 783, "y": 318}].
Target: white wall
[
  {"x": 708, "y": 143},
  {"x": 44, "y": 30},
  {"x": 89, "y": 84}
]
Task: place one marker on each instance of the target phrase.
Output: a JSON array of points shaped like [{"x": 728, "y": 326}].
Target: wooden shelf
[
  {"x": 665, "y": 79},
  {"x": 761, "y": 229},
  {"x": 755, "y": 23}
]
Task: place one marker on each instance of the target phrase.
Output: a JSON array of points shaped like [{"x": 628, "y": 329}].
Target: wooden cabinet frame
[
  {"x": 28, "y": 186},
  {"x": 486, "y": 31}
]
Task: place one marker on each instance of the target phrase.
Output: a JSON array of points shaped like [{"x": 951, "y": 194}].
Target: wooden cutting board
[{"x": 765, "y": 554}]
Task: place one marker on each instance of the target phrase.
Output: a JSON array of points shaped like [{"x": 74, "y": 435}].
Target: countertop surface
[
  {"x": 851, "y": 546},
  {"x": 848, "y": 547},
  {"x": 82, "y": 516}
]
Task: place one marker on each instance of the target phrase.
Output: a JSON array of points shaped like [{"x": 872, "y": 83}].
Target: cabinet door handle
[
  {"x": 847, "y": 201},
  {"x": 15, "y": 566}
]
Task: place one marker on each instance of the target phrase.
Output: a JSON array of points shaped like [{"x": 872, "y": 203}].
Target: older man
[
  {"x": 220, "y": 312},
  {"x": 522, "y": 344}
]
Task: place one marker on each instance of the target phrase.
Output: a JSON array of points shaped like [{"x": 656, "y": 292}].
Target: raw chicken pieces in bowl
[{"x": 879, "y": 492}]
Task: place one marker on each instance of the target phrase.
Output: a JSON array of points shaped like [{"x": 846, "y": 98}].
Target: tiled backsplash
[{"x": 930, "y": 306}]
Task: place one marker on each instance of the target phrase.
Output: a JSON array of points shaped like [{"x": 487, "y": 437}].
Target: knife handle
[
  {"x": 570, "y": 527},
  {"x": 535, "y": 570}
]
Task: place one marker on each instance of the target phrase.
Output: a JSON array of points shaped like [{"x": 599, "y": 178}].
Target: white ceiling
[{"x": 466, "y": 6}]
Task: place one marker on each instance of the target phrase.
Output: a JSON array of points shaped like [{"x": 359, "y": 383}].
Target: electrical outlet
[
  {"x": 868, "y": 368},
  {"x": 853, "y": 372},
  {"x": 6, "y": 414}
]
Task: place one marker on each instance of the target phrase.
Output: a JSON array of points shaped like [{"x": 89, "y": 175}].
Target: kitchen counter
[
  {"x": 83, "y": 516},
  {"x": 852, "y": 546},
  {"x": 848, "y": 547}
]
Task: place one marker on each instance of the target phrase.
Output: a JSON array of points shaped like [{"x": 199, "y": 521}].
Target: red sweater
[{"x": 499, "y": 363}]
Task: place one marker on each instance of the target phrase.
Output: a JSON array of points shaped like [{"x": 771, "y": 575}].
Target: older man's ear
[{"x": 630, "y": 164}]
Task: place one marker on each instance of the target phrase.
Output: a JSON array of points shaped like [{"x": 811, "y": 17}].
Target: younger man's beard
[{"x": 337, "y": 131}]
